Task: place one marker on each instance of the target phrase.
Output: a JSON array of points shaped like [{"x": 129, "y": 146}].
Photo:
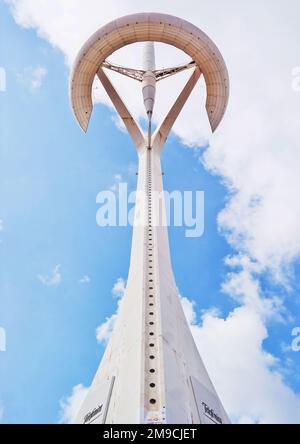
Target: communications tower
[{"x": 151, "y": 371}]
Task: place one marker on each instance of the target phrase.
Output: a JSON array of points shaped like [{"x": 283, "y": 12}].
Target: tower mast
[{"x": 149, "y": 84}]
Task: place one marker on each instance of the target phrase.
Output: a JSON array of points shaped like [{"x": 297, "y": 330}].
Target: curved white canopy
[{"x": 150, "y": 27}]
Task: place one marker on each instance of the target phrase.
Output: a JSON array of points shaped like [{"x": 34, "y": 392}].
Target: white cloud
[
  {"x": 257, "y": 150},
  {"x": 104, "y": 331},
  {"x": 33, "y": 77},
  {"x": 70, "y": 406},
  {"x": 84, "y": 280},
  {"x": 1, "y": 225},
  {"x": 54, "y": 280},
  {"x": 249, "y": 381},
  {"x": 244, "y": 287},
  {"x": 38, "y": 75},
  {"x": 119, "y": 288},
  {"x": 189, "y": 309}
]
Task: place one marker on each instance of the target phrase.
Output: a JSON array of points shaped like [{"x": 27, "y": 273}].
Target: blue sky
[{"x": 51, "y": 174}]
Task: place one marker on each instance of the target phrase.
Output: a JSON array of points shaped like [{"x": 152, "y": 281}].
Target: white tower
[{"x": 151, "y": 371}]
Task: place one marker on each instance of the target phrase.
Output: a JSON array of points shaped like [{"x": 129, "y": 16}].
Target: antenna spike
[{"x": 149, "y": 80}]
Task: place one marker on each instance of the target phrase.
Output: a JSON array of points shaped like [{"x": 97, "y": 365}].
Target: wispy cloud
[
  {"x": 119, "y": 288},
  {"x": 84, "y": 280},
  {"x": 53, "y": 280},
  {"x": 33, "y": 77},
  {"x": 118, "y": 177},
  {"x": 38, "y": 75},
  {"x": 118, "y": 122}
]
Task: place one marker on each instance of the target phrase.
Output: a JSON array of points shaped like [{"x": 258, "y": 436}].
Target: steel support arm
[
  {"x": 132, "y": 126},
  {"x": 162, "y": 133}
]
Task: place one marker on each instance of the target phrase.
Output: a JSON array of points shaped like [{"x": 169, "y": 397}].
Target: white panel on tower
[
  {"x": 209, "y": 408},
  {"x": 96, "y": 404}
]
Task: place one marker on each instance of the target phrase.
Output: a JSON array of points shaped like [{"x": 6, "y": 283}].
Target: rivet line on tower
[{"x": 151, "y": 348}]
